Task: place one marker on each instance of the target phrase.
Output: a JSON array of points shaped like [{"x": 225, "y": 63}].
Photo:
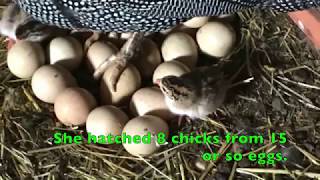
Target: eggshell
[
  {"x": 181, "y": 47},
  {"x": 105, "y": 120},
  {"x": 148, "y": 59},
  {"x": 66, "y": 51},
  {"x": 216, "y": 39},
  {"x": 49, "y": 81},
  {"x": 73, "y": 106},
  {"x": 197, "y": 22},
  {"x": 170, "y": 68},
  {"x": 24, "y": 58},
  {"x": 99, "y": 52},
  {"x": 150, "y": 100},
  {"x": 129, "y": 82},
  {"x": 141, "y": 126}
]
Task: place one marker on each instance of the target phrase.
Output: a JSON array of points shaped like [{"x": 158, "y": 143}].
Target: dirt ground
[{"x": 283, "y": 97}]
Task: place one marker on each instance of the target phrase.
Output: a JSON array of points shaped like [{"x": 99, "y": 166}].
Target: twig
[
  {"x": 299, "y": 83},
  {"x": 301, "y": 67},
  {"x": 277, "y": 171},
  {"x": 153, "y": 167},
  {"x": 50, "y": 148}
]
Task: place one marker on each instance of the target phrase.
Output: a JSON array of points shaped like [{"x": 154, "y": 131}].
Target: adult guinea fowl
[{"x": 139, "y": 16}]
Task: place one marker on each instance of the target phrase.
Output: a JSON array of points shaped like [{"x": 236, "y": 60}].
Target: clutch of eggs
[{"x": 50, "y": 69}]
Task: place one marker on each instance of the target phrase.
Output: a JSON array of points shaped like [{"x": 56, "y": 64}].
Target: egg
[
  {"x": 49, "y": 81},
  {"x": 181, "y": 47},
  {"x": 73, "y": 106},
  {"x": 66, "y": 51},
  {"x": 105, "y": 120},
  {"x": 224, "y": 16},
  {"x": 216, "y": 39},
  {"x": 143, "y": 102},
  {"x": 184, "y": 29},
  {"x": 99, "y": 52},
  {"x": 196, "y": 22},
  {"x": 129, "y": 81},
  {"x": 126, "y": 35},
  {"x": 148, "y": 59},
  {"x": 144, "y": 125},
  {"x": 24, "y": 58},
  {"x": 170, "y": 68}
]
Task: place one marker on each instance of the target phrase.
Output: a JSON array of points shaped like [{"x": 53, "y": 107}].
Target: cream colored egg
[
  {"x": 223, "y": 16},
  {"x": 99, "y": 52},
  {"x": 148, "y": 59},
  {"x": 73, "y": 106},
  {"x": 170, "y": 68},
  {"x": 66, "y": 51},
  {"x": 150, "y": 100},
  {"x": 197, "y": 22},
  {"x": 49, "y": 81},
  {"x": 216, "y": 39},
  {"x": 181, "y": 47},
  {"x": 105, "y": 120},
  {"x": 24, "y": 58},
  {"x": 129, "y": 82},
  {"x": 141, "y": 126},
  {"x": 126, "y": 35}
]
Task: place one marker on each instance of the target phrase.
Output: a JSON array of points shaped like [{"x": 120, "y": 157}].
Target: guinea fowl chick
[
  {"x": 17, "y": 25},
  {"x": 199, "y": 93}
]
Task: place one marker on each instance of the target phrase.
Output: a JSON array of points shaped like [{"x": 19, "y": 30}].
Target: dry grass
[{"x": 283, "y": 97}]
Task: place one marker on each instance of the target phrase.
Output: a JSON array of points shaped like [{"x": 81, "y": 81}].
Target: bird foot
[
  {"x": 119, "y": 63},
  {"x": 93, "y": 38},
  {"x": 120, "y": 60}
]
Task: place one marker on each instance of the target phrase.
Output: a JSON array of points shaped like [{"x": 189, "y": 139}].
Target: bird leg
[
  {"x": 94, "y": 37},
  {"x": 120, "y": 60}
]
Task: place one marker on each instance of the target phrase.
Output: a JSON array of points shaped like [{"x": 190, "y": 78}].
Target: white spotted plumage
[{"x": 141, "y": 15}]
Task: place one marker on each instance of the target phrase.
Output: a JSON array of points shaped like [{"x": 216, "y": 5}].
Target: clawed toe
[
  {"x": 118, "y": 68},
  {"x": 93, "y": 38},
  {"x": 119, "y": 60},
  {"x": 118, "y": 63}
]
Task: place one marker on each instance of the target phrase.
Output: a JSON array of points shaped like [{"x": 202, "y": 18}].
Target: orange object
[
  {"x": 309, "y": 22},
  {"x": 10, "y": 43}
]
